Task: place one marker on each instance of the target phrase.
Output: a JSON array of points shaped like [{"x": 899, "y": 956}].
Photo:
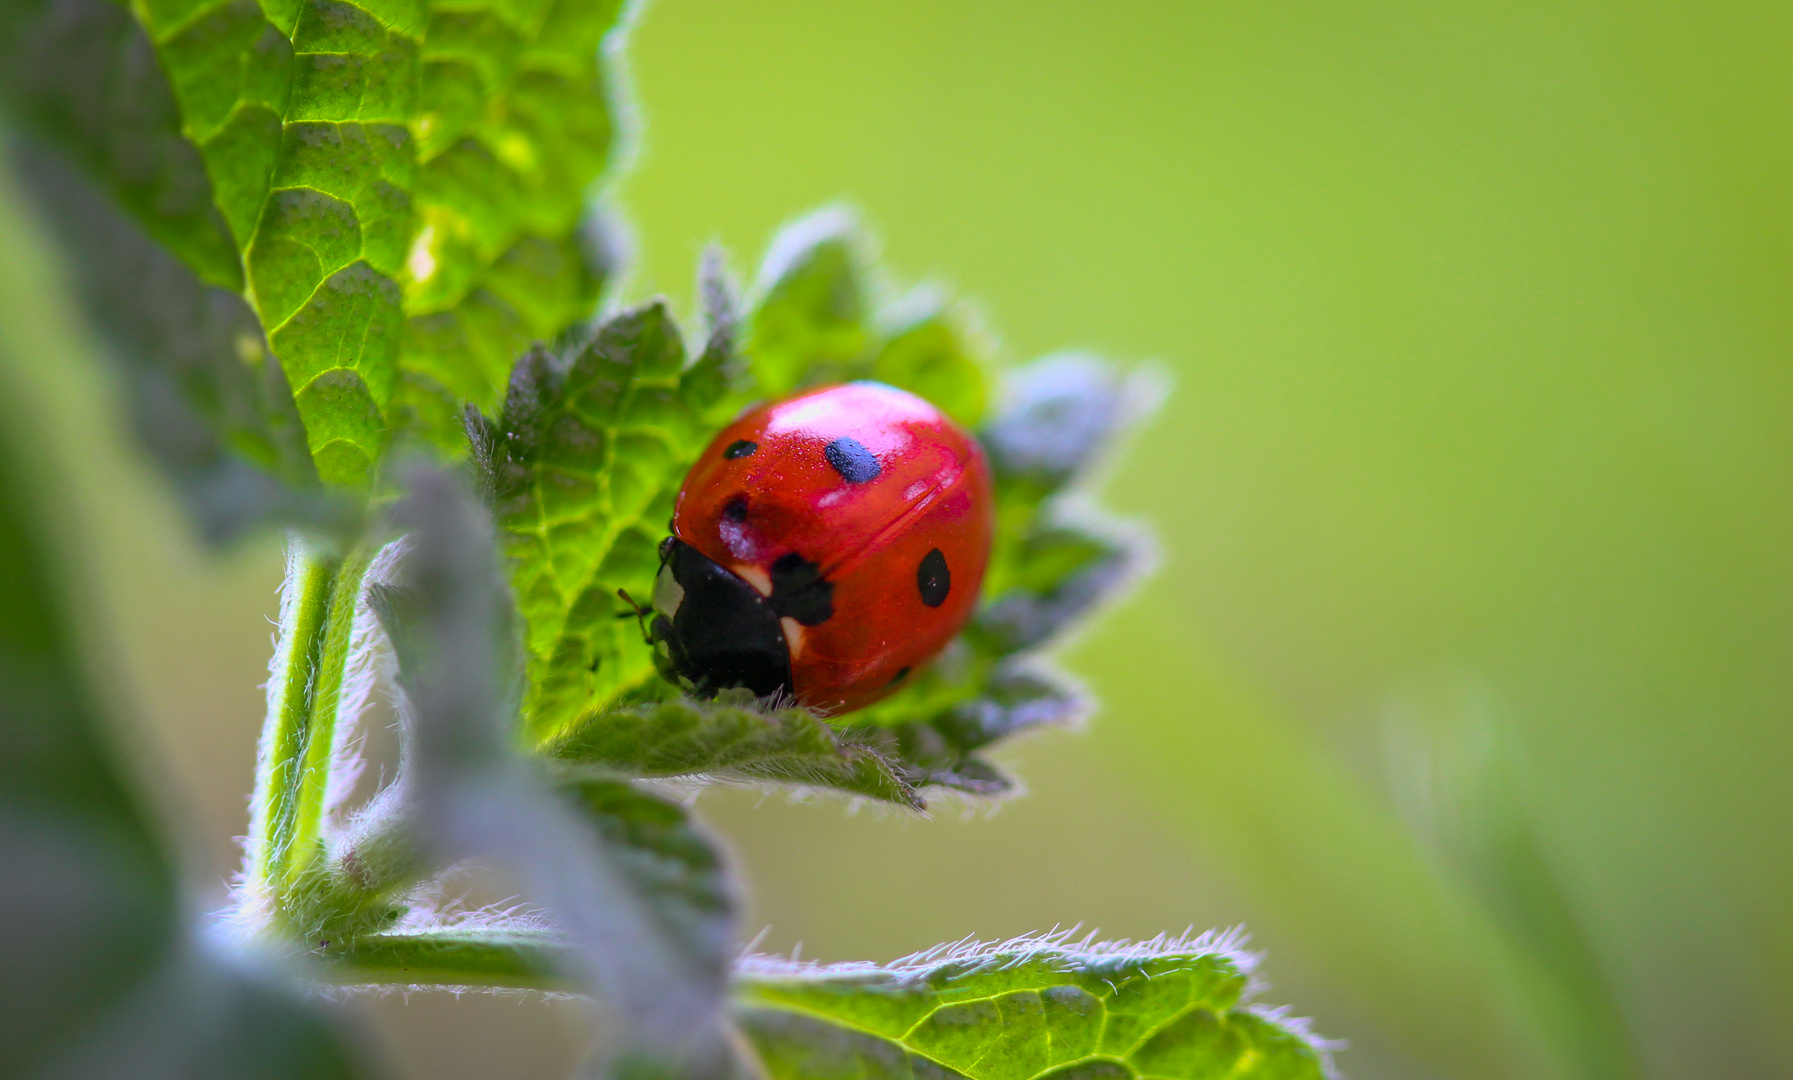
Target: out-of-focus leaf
[
  {"x": 206, "y": 395},
  {"x": 813, "y": 321},
  {"x": 1023, "y": 1009},
  {"x": 731, "y": 738},
  {"x": 671, "y": 866},
  {"x": 102, "y": 975},
  {"x": 930, "y": 351},
  {"x": 582, "y": 466},
  {"x": 83, "y": 75},
  {"x": 466, "y": 793}
]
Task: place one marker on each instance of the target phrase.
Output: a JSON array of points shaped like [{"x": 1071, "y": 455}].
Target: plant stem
[
  {"x": 317, "y": 617},
  {"x": 522, "y": 960}
]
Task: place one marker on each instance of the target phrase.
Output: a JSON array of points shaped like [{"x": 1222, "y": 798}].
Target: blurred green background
[{"x": 1465, "y": 682}]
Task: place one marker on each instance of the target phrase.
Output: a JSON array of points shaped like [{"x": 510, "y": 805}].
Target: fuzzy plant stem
[
  {"x": 449, "y": 957},
  {"x": 317, "y": 618}
]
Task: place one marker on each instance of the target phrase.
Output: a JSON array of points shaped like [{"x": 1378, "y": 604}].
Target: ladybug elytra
[{"x": 823, "y": 547}]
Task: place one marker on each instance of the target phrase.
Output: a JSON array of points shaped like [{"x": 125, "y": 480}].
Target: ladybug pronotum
[{"x": 823, "y": 548}]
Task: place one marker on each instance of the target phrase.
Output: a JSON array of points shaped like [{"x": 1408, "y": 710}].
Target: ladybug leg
[{"x": 636, "y": 612}]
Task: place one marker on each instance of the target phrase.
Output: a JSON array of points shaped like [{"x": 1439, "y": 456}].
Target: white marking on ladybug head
[
  {"x": 793, "y": 635},
  {"x": 668, "y": 593},
  {"x": 753, "y": 575}
]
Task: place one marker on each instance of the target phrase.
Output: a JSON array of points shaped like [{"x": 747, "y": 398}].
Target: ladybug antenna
[{"x": 636, "y": 611}]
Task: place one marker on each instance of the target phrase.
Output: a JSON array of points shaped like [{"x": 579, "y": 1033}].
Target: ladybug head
[{"x": 711, "y": 630}]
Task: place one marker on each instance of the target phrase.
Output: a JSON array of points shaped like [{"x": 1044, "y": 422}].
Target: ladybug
[{"x": 823, "y": 548}]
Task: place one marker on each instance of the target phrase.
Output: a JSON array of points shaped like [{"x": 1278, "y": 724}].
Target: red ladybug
[{"x": 824, "y": 546}]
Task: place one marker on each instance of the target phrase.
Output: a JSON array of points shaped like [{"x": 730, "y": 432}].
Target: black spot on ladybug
[
  {"x": 902, "y": 673},
  {"x": 852, "y": 460},
  {"x": 799, "y": 591},
  {"x": 933, "y": 578},
  {"x": 740, "y": 448},
  {"x": 735, "y": 509}
]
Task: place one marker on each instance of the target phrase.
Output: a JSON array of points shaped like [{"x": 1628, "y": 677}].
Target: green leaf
[
  {"x": 819, "y": 319},
  {"x": 731, "y": 738},
  {"x": 515, "y": 123},
  {"x": 582, "y": 466},
  {"x": 301, "y": 122},
  {"x": 388, "y": 185},
  {"x": 931, "y": 352},
  {"x": 813, "y": 321},
  {"x": 1168, "y": 1008}
]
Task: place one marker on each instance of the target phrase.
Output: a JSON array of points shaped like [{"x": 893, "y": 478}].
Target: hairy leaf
[
  {"x": 607, "y": 866},
  {"x": 670, "y": 865},
  {"x": 582, "y": 466},
  {"x": 731, "y": 738},
  {"x": 1018, "y": 1010}
]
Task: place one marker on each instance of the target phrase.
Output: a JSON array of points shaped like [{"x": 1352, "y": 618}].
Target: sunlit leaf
[
  {"x": 1167, "y": 1008},
  {"x": 375, "y": 179},
  {"x": 515, "y": 121}
]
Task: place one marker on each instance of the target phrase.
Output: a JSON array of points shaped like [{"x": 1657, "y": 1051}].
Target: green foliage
[
  {"x": 315, "y": 230},
  {"x": 1022, "y": 1009},
  {"x": 396, "y": 191}
]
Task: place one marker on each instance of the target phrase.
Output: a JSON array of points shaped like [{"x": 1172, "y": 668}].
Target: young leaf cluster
[
  {"x": 345, "y": 255},
  {"x": 586, "y": 457}
]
